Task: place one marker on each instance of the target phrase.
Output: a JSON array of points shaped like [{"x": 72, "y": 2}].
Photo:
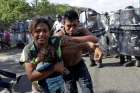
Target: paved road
[
  {"x": 112, "y": 78},
  {"x": 9, "y": 62}
]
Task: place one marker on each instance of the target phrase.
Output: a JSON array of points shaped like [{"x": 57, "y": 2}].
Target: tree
[
  {"x": 12, "y": 10},
  {"x": 61, "y": 8},
  {"x": 44, "y": 7}
]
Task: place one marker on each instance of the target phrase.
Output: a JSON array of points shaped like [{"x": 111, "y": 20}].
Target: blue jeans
[
  {"x": 81, "y": 74},
  {"x": 53, "y": 84}
]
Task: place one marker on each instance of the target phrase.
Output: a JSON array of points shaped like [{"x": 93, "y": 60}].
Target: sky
[{"x": 99, "y": 5}]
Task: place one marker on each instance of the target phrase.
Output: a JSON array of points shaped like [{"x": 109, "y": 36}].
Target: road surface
[{"x": 112, "y": 78}]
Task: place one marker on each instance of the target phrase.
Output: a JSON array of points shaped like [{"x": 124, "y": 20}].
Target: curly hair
[{"x": 36, "y": 21}]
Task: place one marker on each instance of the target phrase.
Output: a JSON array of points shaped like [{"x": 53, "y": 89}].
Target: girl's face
[{"x": 41, "y": 33}]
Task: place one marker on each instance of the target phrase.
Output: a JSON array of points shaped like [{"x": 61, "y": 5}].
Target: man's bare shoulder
[{"x": 83, "y": 30}]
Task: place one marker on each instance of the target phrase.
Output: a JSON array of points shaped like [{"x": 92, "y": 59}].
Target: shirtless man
[{"x": 74, "y": 40}]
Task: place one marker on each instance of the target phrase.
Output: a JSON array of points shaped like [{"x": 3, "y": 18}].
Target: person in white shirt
[{"x": 57, "y": 24}]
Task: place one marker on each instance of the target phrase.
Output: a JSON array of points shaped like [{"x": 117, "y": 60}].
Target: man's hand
[
  {"x": 59, "y": 67},
  {"x": 91, "y": 45},
  {"x": 97, "y": 51},
  {"x": 98, "y": 54}
]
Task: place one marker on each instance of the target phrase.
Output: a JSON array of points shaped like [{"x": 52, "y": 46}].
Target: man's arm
[{"x": 85, "y": 36}]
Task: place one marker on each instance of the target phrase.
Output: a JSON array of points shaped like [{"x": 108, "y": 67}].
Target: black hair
[
  {"x": 71, "y": 15},
  {"x": 129, "y": 7},
  {"x": 36, "y": 21}
]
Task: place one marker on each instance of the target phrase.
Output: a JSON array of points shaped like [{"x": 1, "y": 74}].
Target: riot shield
[{"x": 129, "y": 39}]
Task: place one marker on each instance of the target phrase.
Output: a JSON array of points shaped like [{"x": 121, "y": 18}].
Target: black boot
[
  {"x": 129, "y": 61},
  {"x": 92, "y": 62},
  {"x": 99, "y": 63},
  {"x": 122, "y": 59},
  {"x": 137, "y": 64}
]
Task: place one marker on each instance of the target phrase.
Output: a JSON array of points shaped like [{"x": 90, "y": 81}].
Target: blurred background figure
[
  {"x": 57, "y": 24},
  {"x": 7, "y": 37},
  {"x": 130, "y": 44}
]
